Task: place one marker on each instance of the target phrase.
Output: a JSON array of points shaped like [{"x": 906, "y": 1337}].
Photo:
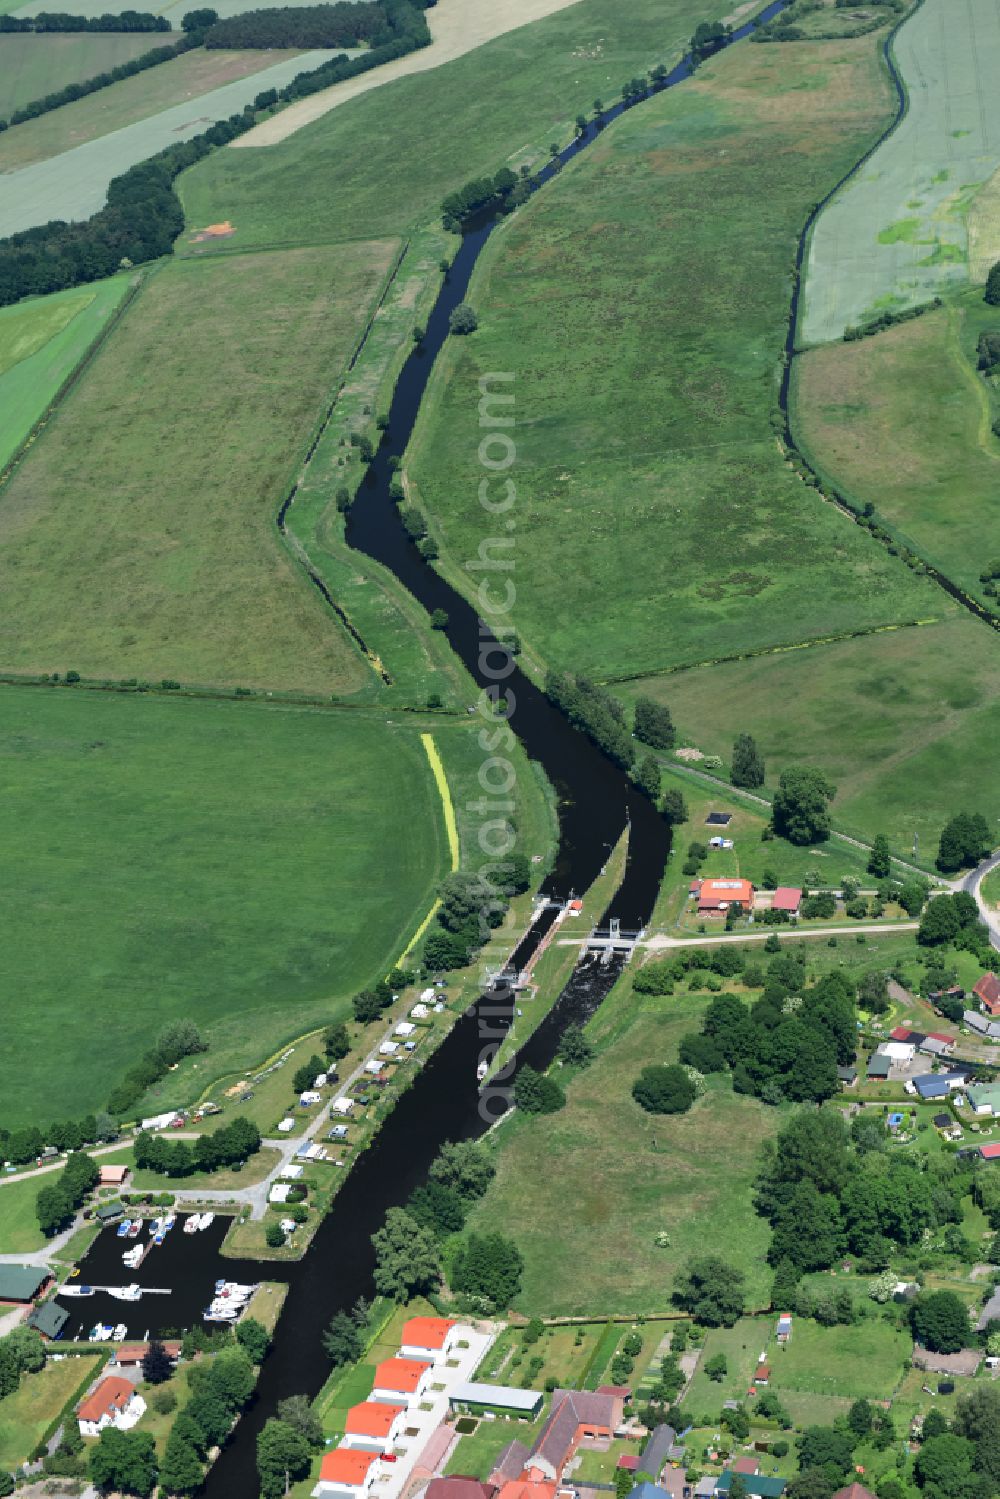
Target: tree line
[
  {"x": 143, "y": 215},
  {"x": 74, "y": 91},
  {"x": 347, "y": 23},
  {"x": 230, "y": 1145},
  {"x": 472, "y": 905},
  {"x": 55, "y": 1206},
  {"x": 48, "y": 20}
]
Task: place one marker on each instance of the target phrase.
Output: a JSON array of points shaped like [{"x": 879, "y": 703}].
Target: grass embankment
[
  {"x": 616, "y": 1175},
  {"x": 224, "y": 861},
  {"x": 990, "y": 890},
  {"x": 145, "y": 545},
  {"x": 130, "y": 99},
  {"x": 648, "y": 475},
  {"x": 19, "y": 1231},
  {"x": 392, "y": 155},
  {"x": 26, "y": 1415},
  {"x": 903, "y": 421},
  {"x": 32, "y": 66},
  {"x": 905, "y": 723}
]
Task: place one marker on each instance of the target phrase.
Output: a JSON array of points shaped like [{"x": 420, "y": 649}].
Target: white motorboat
[
  {"x": 207, "y": 1219},
  {"x": 132, "y": 1258},
  {"x": 125, "y": 1293},
  {"x": 77, "y": 1291},
  {"x": 192, "y": 1223},
  {"x": 119, "y": 1332},
  {"x": 100, "y": 1332}
]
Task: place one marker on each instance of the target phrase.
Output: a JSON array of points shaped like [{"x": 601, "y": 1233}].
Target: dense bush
[
  {"x": 590, "y": 708},
  {"x": 231, "y": 1144},
  {"x": 663, "y": 1089}
]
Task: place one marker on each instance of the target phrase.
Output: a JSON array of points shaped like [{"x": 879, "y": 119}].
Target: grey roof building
[
  {"x": 49, "y": 1319},
  {"x": 982, "y": 1023},
  {"x": 657, "y": 1450}
]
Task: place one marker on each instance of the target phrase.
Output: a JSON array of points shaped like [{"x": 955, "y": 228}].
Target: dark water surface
[{"x": 596, "y": 801}]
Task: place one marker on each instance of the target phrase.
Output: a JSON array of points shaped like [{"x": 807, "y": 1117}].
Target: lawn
[
  {"x": 896, "y": 234},
  {"x": 389, "y": 157},
  {"x": 616, "y": 1176},
  {"x": 217, "y": 860},
  {"x": 903, "y": 421},
  {"x": 130, "y": 99},
  {"x": 903, "y": 722},
  {"x": 32, "y": 66},
  {"x": 475, "y": 1455},
  {"x": 145, "y": 546},
  {"x": 645, "y": 354},
  {"x": 42, "y": 341},
  {"x": 19, "y": 1231},
  {"x": 741, "y": 1347},
  {"x": 865, "y": 1360},
  {"x": 229, "y": 1179},
  {"x": 25, "y": 1415}
]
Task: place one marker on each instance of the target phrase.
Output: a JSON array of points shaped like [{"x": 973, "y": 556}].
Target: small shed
[
  {"x": 496, "y": 1397},
  {"x": 49, "y": 1319},
  {"x": 879, "y": 1066},
  {"x": 787, "y": 898}
]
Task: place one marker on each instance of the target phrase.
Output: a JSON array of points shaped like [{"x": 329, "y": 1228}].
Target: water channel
[{"x": 596, "y": 800}]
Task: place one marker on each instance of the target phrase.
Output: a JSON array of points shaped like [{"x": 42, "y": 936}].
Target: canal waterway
[{"x": 596, "y": 800}]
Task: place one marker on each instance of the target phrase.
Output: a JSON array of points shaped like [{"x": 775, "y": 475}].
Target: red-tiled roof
[
  {"x": 725, "y": 892},
  {"x": 111, "y": 1395},
  {"x": 426, "y": 1332},
  {"x": 347, "y": 1465},
  {"x": 900, "y": 1034},
  {"x": 762, "y": 1374},
  {"x": 746, "y": 1465},
  {"x": 401, "y": 1374},
  {"x": 988, "y": 990},
  {"x": 786, "y": 898},
  {"x": 629, "y": 1461},
  {"x": 989, "y": 1152},
  {"x": 134, "y": 1353},
  {"x": 940, "y": 1036},
  {"x": 372, "y": 1419}
]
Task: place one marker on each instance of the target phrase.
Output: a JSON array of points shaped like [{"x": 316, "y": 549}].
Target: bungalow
[
  {"x": 430, "y": 1338},
  {"x": 984, "y": 1098},
  {"x": 937, "y": 1045},
  {"x": 49, "y": 1319},
  {"x": 22, "y": 1283},
  {"x": 755, "y": 1484},
  {"x": 761, "y": 1376},
  {"x": 716, "y": 896},
  {"x": 112, "y": 1176},
  {"x": 981, "y": 1023},
  {"x": 348, "y": 1470},
  {"x": 987, "y": 991},
  {"x": 787, "y": 898},
  {"x": 879, "y": 1067},
  {"x": 131, "y": 1355},
  {"x": 113, "y": 1403},
  {"x": 931, "y": 1085},
  {"x": 401, "y": 1378},
  {"x": 109, "y": 1212},
  {"x": 897, "y": 1051},
  {"x": 848, "y": 1076},
  {"x": 374, "y": 1425}
]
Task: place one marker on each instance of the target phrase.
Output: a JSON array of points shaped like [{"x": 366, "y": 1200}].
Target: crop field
[
  {"x": 390, "y": 156},
  {"x": 218, "y": 860},
  {"x": 41, "y": 343},
  {"x": 72, "y": 181},
  {"x": 905, "y": 722},
  {"x": 146, "y": 545},
  {"x": 180, "y": 81},
  {"x": 903, "y": 421},
  {"x": 648, "y": 478},
  {"x": 896, "y": 234},
  {"x": 643, "y": 1173},
  {"x": 33, "y": 66}
]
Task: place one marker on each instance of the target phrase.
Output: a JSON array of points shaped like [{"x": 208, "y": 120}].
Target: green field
[
  {"x": 131, "y": 99},
  {"x": 866, "y": 1360},
  {"x": 25, "y": 1416},
  {"x": 602, "y": 1173},
  {"x": 389, "y": 157},
  {"x": 216, "y": 860},
  {"x": 33, "y": 66},
  {"x": 146, "y": 545},
  {"x": 645, "y": 355},
  {"x": 42, "y": 341},
  {"x": 903, "y": 421},
  {"x": 19, "y": 1231},
  {"x": 904, "y": 722},
  {"x": 897, "y": 234}
]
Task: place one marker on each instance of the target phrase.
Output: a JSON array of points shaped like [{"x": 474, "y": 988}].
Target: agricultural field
[
  {"x": 390, "y": 156},
  {"x": 26, "y": 1415},
  {"x": 643, "y": 1174},
  {"x": 146, "y": 546},
  {"x": 904, "y": 722},
  {"x": 33, "y": 66},
  {"x": 648, "y": 477},
  {"x": 896, "y": 234},
  {"x": 904, "y": 422},
  {"x": 61, "y": 179},
  {"x": 42, "y": 341},
  {"x": 218, "y": 860}
]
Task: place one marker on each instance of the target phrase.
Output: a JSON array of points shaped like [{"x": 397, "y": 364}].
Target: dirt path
[{"x": 456, "y": 26}]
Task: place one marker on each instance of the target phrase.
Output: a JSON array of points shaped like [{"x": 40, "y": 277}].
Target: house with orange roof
[
  {"x": 113, "y": 1402},
  {"x": 401, "y": 1380},
  {"x": 715, "y": 897},
  {"x": 428, "y": 1338},
  {"x": 374, "y": 1426},
  {"x": 347, "y": 1471}
]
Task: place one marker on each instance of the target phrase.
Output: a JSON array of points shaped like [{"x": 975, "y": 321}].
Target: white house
[
  {"x": 374, "y": 1426},
  {"x": 348, "y": 1471},
  {"x": 401, "y": 1380},
  {"x": 897, "y": 1051},
  {"x": 429, "y": 1338},
  {"x": 113, "y": 1403}
]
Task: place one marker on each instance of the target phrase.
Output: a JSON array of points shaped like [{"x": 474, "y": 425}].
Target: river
[{"x": 596, "y": 799}]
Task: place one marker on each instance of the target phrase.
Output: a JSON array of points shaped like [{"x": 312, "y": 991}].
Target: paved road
[{"x": 972, "y": 882}]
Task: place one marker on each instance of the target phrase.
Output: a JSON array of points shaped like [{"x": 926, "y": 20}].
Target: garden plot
[
  {"x": 74, "y": 184},
  {"x": 896, "y": 235}
]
